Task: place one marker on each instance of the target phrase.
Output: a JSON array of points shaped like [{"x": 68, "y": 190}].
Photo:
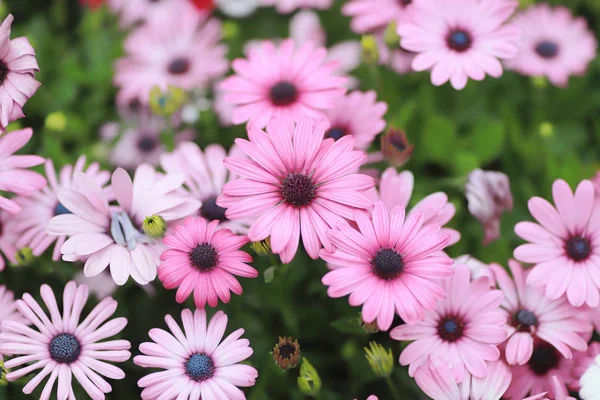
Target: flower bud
[
  {"x": 368, "y": 327},
  {"x": 24, "y": 257},
  {"x": 390, "y": 37},
  {"x": 370, "y": 51},
  {"x": 3, "y": 372},
  {"x": 56, "y": 121},
  {"x": 262, "y": 248},
  {"x": 286, "y": 353},
  {"x": 380, "y": 360},
  {"x": 154, "y": 226},
  {"x": 395, "y": 147},
  {"x": 309, "y": 381},
  {"x": 167, "y": 103}
]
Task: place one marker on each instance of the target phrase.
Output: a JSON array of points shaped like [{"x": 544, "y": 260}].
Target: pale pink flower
[
  {"x": 477, "y": 268},
  {"x": 8, "y": 239},
  {"x": 112, "y": 236},
  {"x": 14, "y": 177},
  {"x": 395, "y": 58},
  {"x": 8, "y": 311},
  {"x": 391, "y": 264},
  {"x": 370, "y": 16},
  {"x": 134, "y": 11},
  {"x": 286, "y": 82},
  {"x": 39, "y": 208},
  {"x": 558, "y": 393},
  {"x": 488, "y": 196},
  {"x": 590, "y": 380},
  {"x": 205, "y": 174},
  {"x": 371, "y": 397},
  {"x": 459, "y": 40},
  {"x": 582, "y": 361},
  {"x": 17, "y": 66},
  {"x": 464, "y": 329},
  {"x": 196, "y": 363},
  {"x": 101, "y": 285},
  {"x": 287, "y": 6},
  {"x": 296, "y": 183},
  {"x": 437, "y": 381},
  {"x": 565, "y": 247},
  {"x": 530, "y": 315},
  {"x": 553, "y": 43},
  {"x": 62, "y": 346}
]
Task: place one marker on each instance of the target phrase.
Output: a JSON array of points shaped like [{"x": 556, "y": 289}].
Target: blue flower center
[
  {"x": 547, "y": 49},
  {"x": 199, "y": 367},
  {"x": 335, "y": 133},
  {"x": 523, "y": 320},
  {"x": 578, "y": 248},
  {"x": 387, "y": 264},
  {"x": 451, "y": 328},
  {"x": 61, "y": 210},
  {"x": 65, "y": 348},
  {"x": 283, "y": 93},
  {"x": 179, "y": 66},
  {"x": 459, "y": 40},
  {"x": 210, "y": 210},
  {"x": 147, "y": 143}
]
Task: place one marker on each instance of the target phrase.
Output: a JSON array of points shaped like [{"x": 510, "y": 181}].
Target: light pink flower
[
  {"x": 437, "y": 381},
  {"x": 8, "y": 239},
  {"x": 196, "y": 363},
  {"x": 17, "y": 66},
  {"x": 297, "y": 184},
  {"x": 285, "y": 81},
  {"x": 39, "y": 208},
  {"x": 553, "y": 43},
  {"x": 371, "y": 397},
  {"x": 112, "y": 236},
  {"x": 557, "y": 390},
  {"x": 530, "y": 315},
  {"x": 488, "y": 196},
  {"x": 62, "y": 346},
  {"x": 101, "y": 285},
  {"x": 565, "y": 247},
  {"x": 459, "y": 40},
  {"x": 464, "y": 329},
  {"x": 287, "y": 6},
  {"x": 8, "y": 311},
  {"x": 370, "y": 16},
  {"x": 589, "y": 381},
  {"x": 390, "y": 264},
  {"x": 582, "y": 361},
  {"x": 395, "y": 58},
  {"x": 14, "y": 177},
  {"x": 133, "y": 11},
  {"x": 181, "y": 51},
  {"x": 477, "y": 268},
  {"x": 205, "y": 174}
]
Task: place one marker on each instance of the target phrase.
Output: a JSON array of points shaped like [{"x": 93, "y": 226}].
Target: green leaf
[
  {"x": 348, "y": 325},
  {"x": 486, "y": 139},
  {"x": 438, "y": 141}
]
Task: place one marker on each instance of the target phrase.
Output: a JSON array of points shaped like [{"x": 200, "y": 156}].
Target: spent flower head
[
  {"x": 395, "y": 147},
  {"x": 286, "y": 353}
]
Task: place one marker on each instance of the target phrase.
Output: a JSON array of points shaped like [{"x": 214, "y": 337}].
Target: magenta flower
[
  {"x": 558, "y": 391},
  {"x": 530, "y": 315},
  {"x": 8, "y": 310},
  {"x": 297, "y": 183},
  {"x": 62, "y": 346},
  {"x": 564, "y": 245},
  {"x": 14, "y": 177},
  {"x": 391, "y": 263},
  {"x": 205, "y": 175},
  {"x": 464, "y": 329},
  {"x": 459, "y": 40},
  {"x": 553, "y": 44},
  {"x": 488, "y": 195},
  {"x": 17, "y": 66},
  {"x": 196, "y": 363},
  {"x": 284, "y": 82},
  {"x": 437, "y": 381},
  {"x": 359, "y": 115},
  {"x": 112, "y": 236},
  {"x": 42, "y": 206},
  {"x": 369, "y": 16}
]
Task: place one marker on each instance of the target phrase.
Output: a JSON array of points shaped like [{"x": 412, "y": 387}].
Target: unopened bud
[
  {"x": 380, "y": 360},
  {"x": 370, "y": 51},
  {"x": 309, "y": 381},
  {"x": 155, "y": 226},
  {"x": 168, "y": 102},
  {"x": 24, "y": 256},
  {"x": 395, "y": 147},
  {"x": 262, "y": 248}
]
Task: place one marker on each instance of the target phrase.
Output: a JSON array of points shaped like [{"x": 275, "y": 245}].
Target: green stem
[
  {"x": 167, "y": 136},
  {"x": 393, "y": 390},
  {"x": 374, "y": 71}
]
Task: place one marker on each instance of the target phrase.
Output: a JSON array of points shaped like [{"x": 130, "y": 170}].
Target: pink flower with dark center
[
  {"x": 286, "y": 82},
  {"x": 564, "y": 247},
  {"x": 370, "y": 16},
  {"x": 17, "y": 67},
  {"x": 559, "y": 393},
  {"x": 39, "y": 208},
  {"x": 296, "y": 183},
  {"x": 62, "y": 346},
  {"x": 582, "y": 361},
  {"x": 464, "y": 329},
  {"x": 196, "y": 363},
  {"x": 390, "y": 264},
  {"x": 553, "y": 43},
  {"x": 152, "y": 11},
  {"x": 287, "y": 6},
  {"x": 8, "y": 310},
  {"x": 530, "y": 315},
  {"x": 459, "y": 40}
]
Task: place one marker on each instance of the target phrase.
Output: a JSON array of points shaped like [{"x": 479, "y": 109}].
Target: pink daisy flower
[
  {"x": 14, "y": 177},
  {"x": 283, "y": 82},
  {"x": 437, "y": 381},
  {"x": 112, "y": 236},
  {"x": 582, "y": 361},
  {"x": 17, "y": 66},
  {"x": 203, "y": 259},
  {"x": 391, "y": 263},
  {"x": 559, "y": 393},
  {"x": 181, "y": 51},
  {"x": 197, "y": 363},
  {"x": 465, "y": 328},
  {"x": 205, "y": 175},
  {"x": 8, "y": 239},
  {"x": 359, "y": 115},
  {"x": 564, "y": 248},
  {"x": 101, "y": 285},
  {"x": 62, "y": 346},
  {"x": 395, "y": 58},
  {"x": 369, "y": 16},
  {"x": 42, "y": 206},
  {"x": 553, "y": 44},
  {"x": 287, "y": 6},
  {"x": 8, "y": 310},
  {"x": 297, "y": 183},
  {"x": 133, "y": 11},
  {"x": 477, "y": 268},
  {"x": 530, "y": 315},
  {"x": 459, "y": 40}
]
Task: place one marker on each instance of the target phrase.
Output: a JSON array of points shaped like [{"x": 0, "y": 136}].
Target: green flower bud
[
  {"x": 370, "y": 51},
  {"x": 3, "y": 372},
  {"x": 380, "y": 360},
  {"x": 167, "y": 103},
  {"x": 546, "y": 129},
  {"x": 24, "y": 257},
  {"x": 368, "y": 327},
  {"x": 262, "y": 248},
  {"x": 390, "y": 37},
  {"x": 309, "y": 381},
  {"x": 56, "y": 121},
  {"x": 231, "y": 29},
  {"x": 539, "y": 82},
  {"x": 154, "y": 226}
]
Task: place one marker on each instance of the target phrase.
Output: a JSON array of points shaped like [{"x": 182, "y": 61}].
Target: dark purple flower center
[
  {"x": 459, "y": 40},
  {"x": 61, "y": 210},
  {"x": 523, "y": 320},
  {"x": 179, "y": 66},
  {"x": 335, "y": 133},
  {"x": 283, "y": 93},
  {"x": 64, "y": 348},
  {"x": 544, "y": 358},
  {"x": 211, "y": 211},
  {"x": 286, "y": 351},
  {"x": 387, "y": 264},
  {"x": 547, "y": 49},
  {"x": 3, "y": 72},
  {"x": 298, "y": 190},
  {"x": 451, "y": 328},
  {"x": 199, "y": 367},
  {"x": 147, "y": 143},
  {"x": 578, "y": 248},
  {"x": 404, "y": 2},
  {"x": 204, "y": 257}
]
